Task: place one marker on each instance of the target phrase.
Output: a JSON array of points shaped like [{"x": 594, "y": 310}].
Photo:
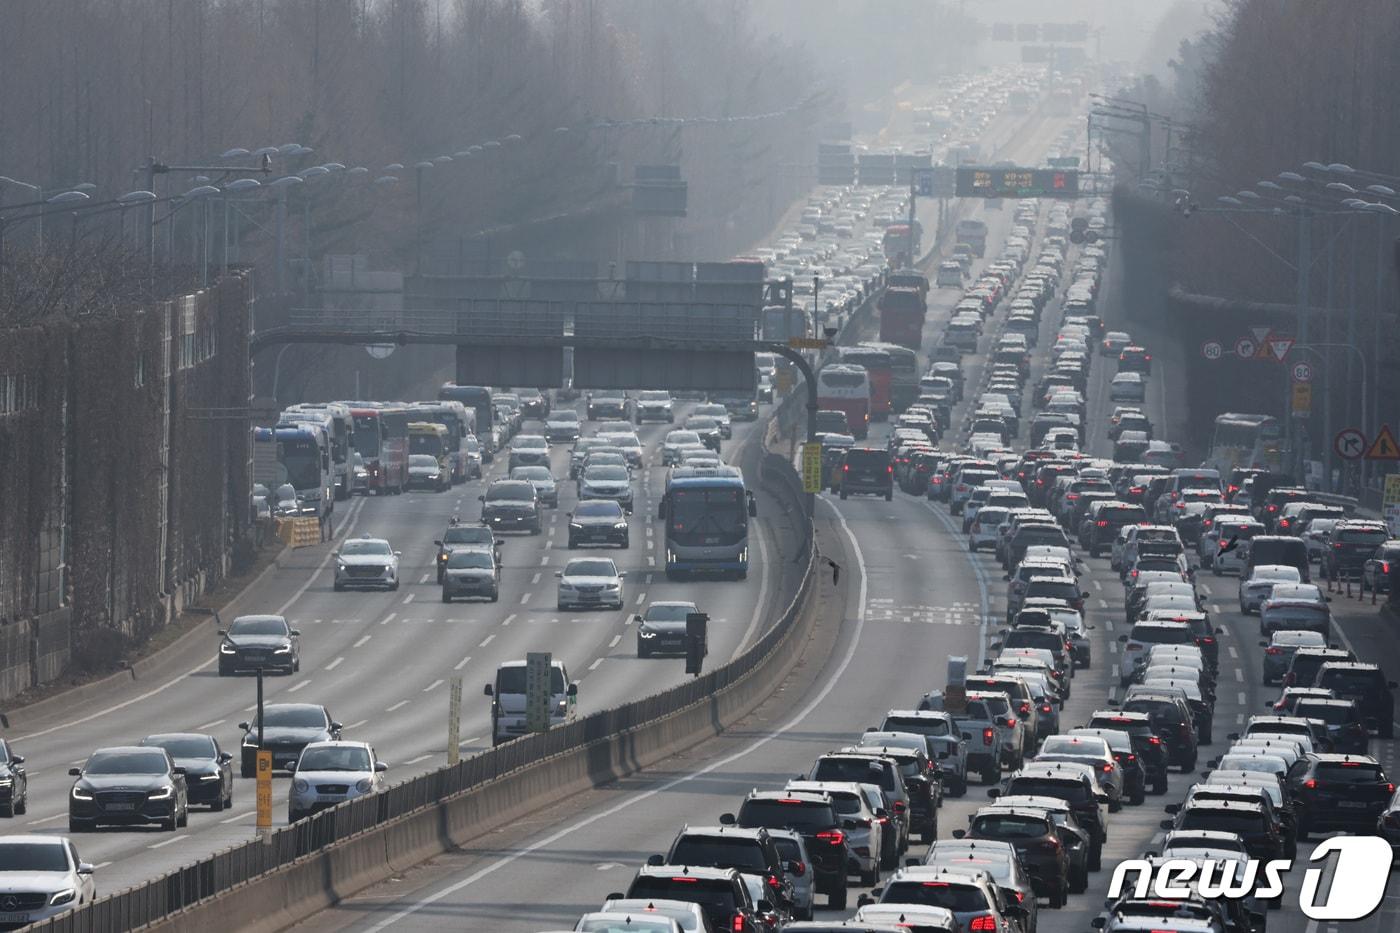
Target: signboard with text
[
  {"x": 1390, "y": 503},
  {"x": 537, "y": 692},
  {"x": 812, "y": 467},
  {"x": 1017, "y": 182}
]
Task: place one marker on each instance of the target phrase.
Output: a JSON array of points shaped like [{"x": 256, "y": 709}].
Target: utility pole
[
  {"x": 910, "y": 254},
  {"x": 1298, "y": 427}
]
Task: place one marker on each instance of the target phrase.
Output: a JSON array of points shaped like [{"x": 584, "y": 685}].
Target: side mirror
[
  {"x": 381, "y": 766},
  {"x": 398, "y": 553},
  {"x": 335, "y": 554},
  {"x": 994, "y": 792},
  {"x": 865, "y": 900},
  {"x": 559, "y": 573},
  {"x": 1083, "y": 594},
  {"x": 765, "y": 907},
  {"x": 177, "y": 770},
  {"x": 1167, "y": 824},
  {"x": 726, "y": 819},
  {"x": 995, "y": 646},
  {"x": 221, "y": 632},
  {"x": 882, "y": 812},
  {"x": 17, "y": 760},
  {"x": 655, "y": 860},
  {"x": 1263, "y": 644},
  {"x": 489, "y": 691},
  {"x": 75, "y": 772},
  {"x": 335, "y": 726},
  {"x": 573, "y": 690},
  {"x": 1172, "y": 808},
  {"x": 438, "y": 543},
  {"x": 85, "y": 868},
  {"x": 243, "y": 726},
  {"x": 1233, "y": 736},
  {"x": 1098, "y": 923},
  {"x": 480, "y": 498},
  {"x": 225, "y": 757},
  {"x": 959, "y": 833},
  {"x": 296, "y": 633},
  {"x": 621, "y": 574}
]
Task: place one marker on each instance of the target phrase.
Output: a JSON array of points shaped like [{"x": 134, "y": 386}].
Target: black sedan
[
  {"x": 263, "y": 641},
  {"x": 598, "y": 521},
  {"x": 661, "y": 629},
  {"x": 208, "y": 768},
  {"x": 287, "y": 729},
  {"x": 14, "y": 783},
  {"x": 128, "y": 785}
]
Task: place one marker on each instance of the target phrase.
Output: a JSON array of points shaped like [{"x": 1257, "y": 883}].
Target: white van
[{"x": 508, "y": 700}]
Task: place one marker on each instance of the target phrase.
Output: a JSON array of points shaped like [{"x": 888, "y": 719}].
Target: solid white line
[
  {"x": 983, "y": 591},
  {"x": 615, "y": 640},
  {"x": 594, "y": 665},
  {"x": 553, "y": 838},
  {"x": 101, "y": 865},
  {"x": 408, "y": 599},
  {"x": 414, "y": 761},
  {"x": 433, "y": 685},
  {"x": 399, "y": 705},
  {"x": 761, "y": 605},
  {"x": 241, "y": 816},
  {"x": 201, "y": 728},
  {"x": 162, "y": 845},
  {"x": 356, "y": 725},
  {"x": 336, "y": 663},
  {"x": 486, "y": 641},
  {"x": 462, "y": 663},
  {"x": 295, "y": 687},
  {"x": 361, "y": 642}
]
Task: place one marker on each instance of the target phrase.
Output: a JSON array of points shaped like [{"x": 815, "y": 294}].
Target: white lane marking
[
  {"x": 761, "y": 605},
  {"x": 1098, "y": 585},
  {"x": 432, "y": 686},
  {"x": 399, "y": 705},
  {"x": 192, "y": 671},
  {"x": 1103, "y": 604},
  {"x": 615, "y": 640},
  {"x": 387, "y": 619},
  {"x": 1239, "y": 675},
  {"x": 414, "y": 761},
  {"x": 651, "y": 562},
  {"x": 524, "y": 598},
  {"x": 356, "y": 725},
  {"x": 297, "y": 686},
  {"x": 49, "y": 819},
  {"x": 336, "y": 663},
  {"x": 1215, "y": 608},
  {"x": 594, "y": 665},
  {"x": 361, "y": 642},
  {"x": 536, "y": 578},
  {"x": 1242, "y": 698},
  {"x": 1108, "y": 624},
  {"x": 423, "y": 579},
  {"x": 641, "y": 598},
  {"x": 983, "y": 591},
  {"x": 462, "y": 663},
  {"x": 544, "y": 561},
  {"x": 241, "y": 816},
  {"x": 553, "y": 838},
  {"x": 201, "y": 728},
  {"x": 408, "y": 599},
  {"x": 100, "y": 865},
  {"x": 1234, "y": 653},
  {"x": 486, "y": 641},
  {"x": 508, "y": 619},
  {"x": 162, "y": 845}
]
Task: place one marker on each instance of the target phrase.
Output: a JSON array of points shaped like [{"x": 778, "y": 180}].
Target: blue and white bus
[{"x": 705, "y": 512}]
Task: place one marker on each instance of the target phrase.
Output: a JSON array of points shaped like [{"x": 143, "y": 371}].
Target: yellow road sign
[
  {"x": 784, "y": 381},
  {"x": 1384, "y": 446},
  {"x": 1302, "y": 398},
  {"x": 807, "y": 343},
  {"x": 264, "y": 790},
  {"x": 812, "y": 467}
]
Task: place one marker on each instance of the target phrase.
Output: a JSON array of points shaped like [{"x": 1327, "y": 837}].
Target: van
[
  {"x": 867, "y": 470},
  {"x": 507, "y": 692},
  {"x": 1275, "y": 549}
]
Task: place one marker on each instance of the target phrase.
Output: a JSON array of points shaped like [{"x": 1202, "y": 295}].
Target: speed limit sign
[
  {"x": 1302, "y": 372},
  {"x": 1212, "y": 349}
]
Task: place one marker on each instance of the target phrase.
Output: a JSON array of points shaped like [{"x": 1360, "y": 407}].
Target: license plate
[
  {"x": 589, "y": 598},
  {"x": 119, "y": 807},
  {"x": 1351, "y": 804},
  {"x": 14, "y": 918},
  {"x": 328, "y": 798}
]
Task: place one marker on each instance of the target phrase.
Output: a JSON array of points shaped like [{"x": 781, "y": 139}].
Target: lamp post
[
  {"x": 68, "y": 197},
  {"x": 235, "y": 187},
  {"x": 280, "y": 187},
  {"x": 420, "y": 168}
]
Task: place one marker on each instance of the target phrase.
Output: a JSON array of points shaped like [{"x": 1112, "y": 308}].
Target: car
[
  {"x": 1124, "y": 752},
  {"x": 750, "y": 851},
  {"x": 1262, "y": 836},
  {"x": 1279, "y": 650},
  {"x": 1134, "y": 359},
  {"x": 868, "y": 766},
  {"x": 721, "y": 416},
  {"x": 41, "y": 876},
  {"x": 1367, "y": 685},
  {"x": 1296, "y": 607},
  {"x": 973, "y": 896},
  {"x": 866, "y": 470},
  {"x": 792, "y": 848},
  {"x": 14, "y": 782},
  {"x": 366, "y": 563},
  {"x": 917, "y": 918},
  {"x": 511, "y": 505},
  {"x": 605, "y": 404},
  {"x": 598, "y": 521},
  {"x": 1346, "y": 728},
  {"x": 1375, "y": 571},
  {"x": 631, "y": 449},
  {"x": 606, "y": 482},
  {"x": 1172, "y": 721},
  {"x": 721, "y": 892},
  {"x": 999, "y": 861},
  {"x": 1146, "y": 744},
  {"x": 426, "y": 472},
  {"x": 471, "y": 572},
  {"x": 1350, "y": 545},
  {"x": 1127, "y": 387},
  {"x": 654, "y": 405},
  {"x": 260, "y": 642},
  {"x": 329, "y": 773},
  {"x": 815, "y": 818},
  {"x": 459, "y": 534},
  {"x": 127, "y": 785},
  {"x": 528, "y": 450},
  {"x": 661, "y": 629},
  {"x": 539, "y": 477},
  {"x": 1037, "y": 840},
  {"x": 634, "y": 921},
  {"x": 709, "y": 430},
  {"x": 286, "y": 729},
  {"x": 674, "y": 441},
  {"x": 208, "y": 768},
  {"x": 562, "y": 426},
  {"x": 1256, "y": 588},
  {"x": 1114, "y": 343},
  {"x": 533, "y": 402},
  {"x": 590, "y": 583},
  {"x": 1093, "y": 751},
  {"x": 689, "y": 916},
  {"x": 509, "y": 719}
]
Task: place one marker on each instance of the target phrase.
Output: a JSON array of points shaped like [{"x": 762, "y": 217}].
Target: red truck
[{"x": 902, "y": 313}]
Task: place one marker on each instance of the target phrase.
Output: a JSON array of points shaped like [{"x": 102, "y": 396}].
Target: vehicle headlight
[
  {"x": 611, "y": 586},
  {"x": 165, "y": 793},
  {"x": 62, "y": 897},
  {"x": 6, "y": 782},
  {"x": 226, "y": 648},
  {"x": 80, "y": 794},
  {"x": 646, "y": 633},
  {"x": 300, "y": 786},
  {"x": 210, "y": 777},
  {"x": 620, "y": 526},
  {"x": 563, "y": 706},
  {"x": 363, "y": 785},
  {"x": 340, "y": 566},
  {"x": 285, "y": 649}
]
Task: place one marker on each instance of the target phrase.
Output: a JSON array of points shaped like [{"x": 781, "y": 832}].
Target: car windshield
[
  {"x": 915, "y": 724},
  {"x": 716, "y": 897},
  {"x": 530, "y": 442},
  {"x": 258, "y": 626},
  {"x": 787, "y": 813},
  {"x": 334, "y": 758},
  {"x": 512, "y": 492},
  {"x": 959, "y": 898},
  {"x": 1370, "y": 537},
  {"x": 294, "y": 716},
  {"x": 738, "y": 852},
  {"x": 564, "y": 414},
  {"x": 185, "y": 746},
  {"x": 126, "y": 763},
  {"x": 1049, "y": 787},
  {"x": 859, "y": 770},
  {"x": 469, "y": 560},
  {"x": 1008, "y": 826},
  {"x": 380, "y": 548},
  {"x": 590, "y": 568},
  {"x": 1346, "y": 680},
  {"x": 682, "y": 437},
  {"x": 717, "y": 412},
  {"x": 531, "y": 473},
  {"x": 1349, "y": 772},
  {"x": 468, "y": 534},
  {"x": 1084, "y": 746},
  {"x": 511, "y": 680},
  {"x": 33, "y": 856},
  {"x": 422, "y": 460},
  {"x": 672, "y": 612},
  {"x": 653, "y": 395},
  {"x": 598, "y": 508},
  {"x": 1163, "y": 634},
  {"x": 1223, "y": 820},
  {"x": 606, "y": 473}
]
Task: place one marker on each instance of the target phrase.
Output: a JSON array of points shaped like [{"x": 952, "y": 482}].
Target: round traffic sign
[
  {"x": 1212, "y": 350},
  {"x": 1302, "y": 372},
  {"x": 1350, "y": 444},
  {"x": 1245, "y": 348}
]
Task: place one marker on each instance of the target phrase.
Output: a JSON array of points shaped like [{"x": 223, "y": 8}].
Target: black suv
[
  {"x": 468, "y": 536},
  {"x": 1069, "y": 783},
  {"x": 1349, "y": 546},
  {"x": 749, "y": 851},
  {"x": 1103, "y": 523},
  {"x": 720, "y": 892},
  {"x": 513, "y": 505},
  {"x": 814, "y": 817},
  {"x": 1171, "y": 720},
  {"x": 1347, "y": 792},
  {"x": 1366, "y": 684},
  {"x": 1147, "y": 745},
  {"x": 867, "y": 470}
]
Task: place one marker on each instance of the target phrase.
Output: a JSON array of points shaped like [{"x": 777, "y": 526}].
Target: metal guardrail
[{"x": 218, "y": 873}]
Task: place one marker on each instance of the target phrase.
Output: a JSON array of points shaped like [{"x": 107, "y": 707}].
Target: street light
[{"x": 200, "y": 193}]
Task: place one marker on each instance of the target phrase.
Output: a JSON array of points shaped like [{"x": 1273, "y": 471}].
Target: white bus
[
  {"x": 846, "y": 389},
  {"x": 1245, "y": 441}
]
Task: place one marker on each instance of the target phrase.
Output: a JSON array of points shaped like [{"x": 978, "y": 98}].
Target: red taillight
[
  {"x": 774, "y": 882},
  {"x": 1045, "y": 708},
  {"x": 983, "y": 924},
  {"x": 899, "y": 806},
  {"x": 799, "y": 868},
  {"x": 1273, "y": 508},
  {"x": 833, "y": 836},
  {"x": 1390, "y": 788},
  {"x": 987, "y": 735},
  {"x": 1101, "y": 523},
  {"x": 1272, "y": 650},
  {"x": 890, "y": 469},
  {"x": 1132, "y": 757},
  {"x": 845, "y": 468},
  {"x": 1208, "y": 640},
  {"x": 1050, "y": 845},
  {"x": 1025, "y": 707},
  {"x": 1108, "y": 769},
  {"x": 1385, "y": 566},
  {"x": 1010, "y": 722},
  {"x": 687, "y": 880},
  {"x": 1153, "y": 740},
  {"x": 739, "y": 925},
  {"x": 1337, "y": 546},
  {"x": 1310, "y": 784}
]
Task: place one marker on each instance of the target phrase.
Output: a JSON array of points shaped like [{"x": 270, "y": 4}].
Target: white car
[
  {"x": 720, "y": 414},
  {"x": 41, "y": 877},
  {"x": 529, "y": 450},
  {"x": 1255, "y": 590},
  {"x": 865, "y": 832},
  {"x": 1127, "y": 387},
  {"x": 691, "y": 916},
  {"x": 590, "y": 583},
  {"x": 1113, "y": 343},
  {"x": 654, "y": 405},
  {"x": 919, "y": 916},
  {"x": 366, "y": 562},
  {"x": 641, "y": 920},
  {"x": 674, "y": 441},
  {"x": 328, "y": 773}
]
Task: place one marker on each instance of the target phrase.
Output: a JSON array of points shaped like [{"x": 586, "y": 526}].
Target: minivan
[
  {"x": 507, "y": 693},
  {"x": 867, "y": 470},
  {"x": 1275, "y": 549}
]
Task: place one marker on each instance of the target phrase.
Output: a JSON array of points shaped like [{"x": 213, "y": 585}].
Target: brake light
[
  {"x": 1010, "y": 722},
  {"x": 1108, "y": 769},
  {"x": 1337, "y": 546},
  {"x": 1025, "y": 707},
  {"x": 833, "y": 836},
  {"x": 899, "y": 806},
  {"x": 773, "y": 882},
  {"x": 1208, "y": 640},
  {"x": 686, "y": 880},
  {"x": 1101, "y": 523},
  {"x": 1132, "y": 757},
  {"x": 845, "y": 468},
  {"x": 1272, "y": 650},
  {"x": 1272, "y": 508},
  {"x": 1310, "y": 784},
  {"x": 983, "y": 924},
  {"x": 799, "y": 868},
  {"x": 935, "y": 884},
  {"x": 739, "y": 925},
  {"x": 987, "y": 735},
  {"x": 1390, "y": 788},
  {"x": 1153, "y": 740},
  {"x": 1045, "y": 708},
  {"x": 1050, "y": 845},
  {"x": 1385, "y": 566}
]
